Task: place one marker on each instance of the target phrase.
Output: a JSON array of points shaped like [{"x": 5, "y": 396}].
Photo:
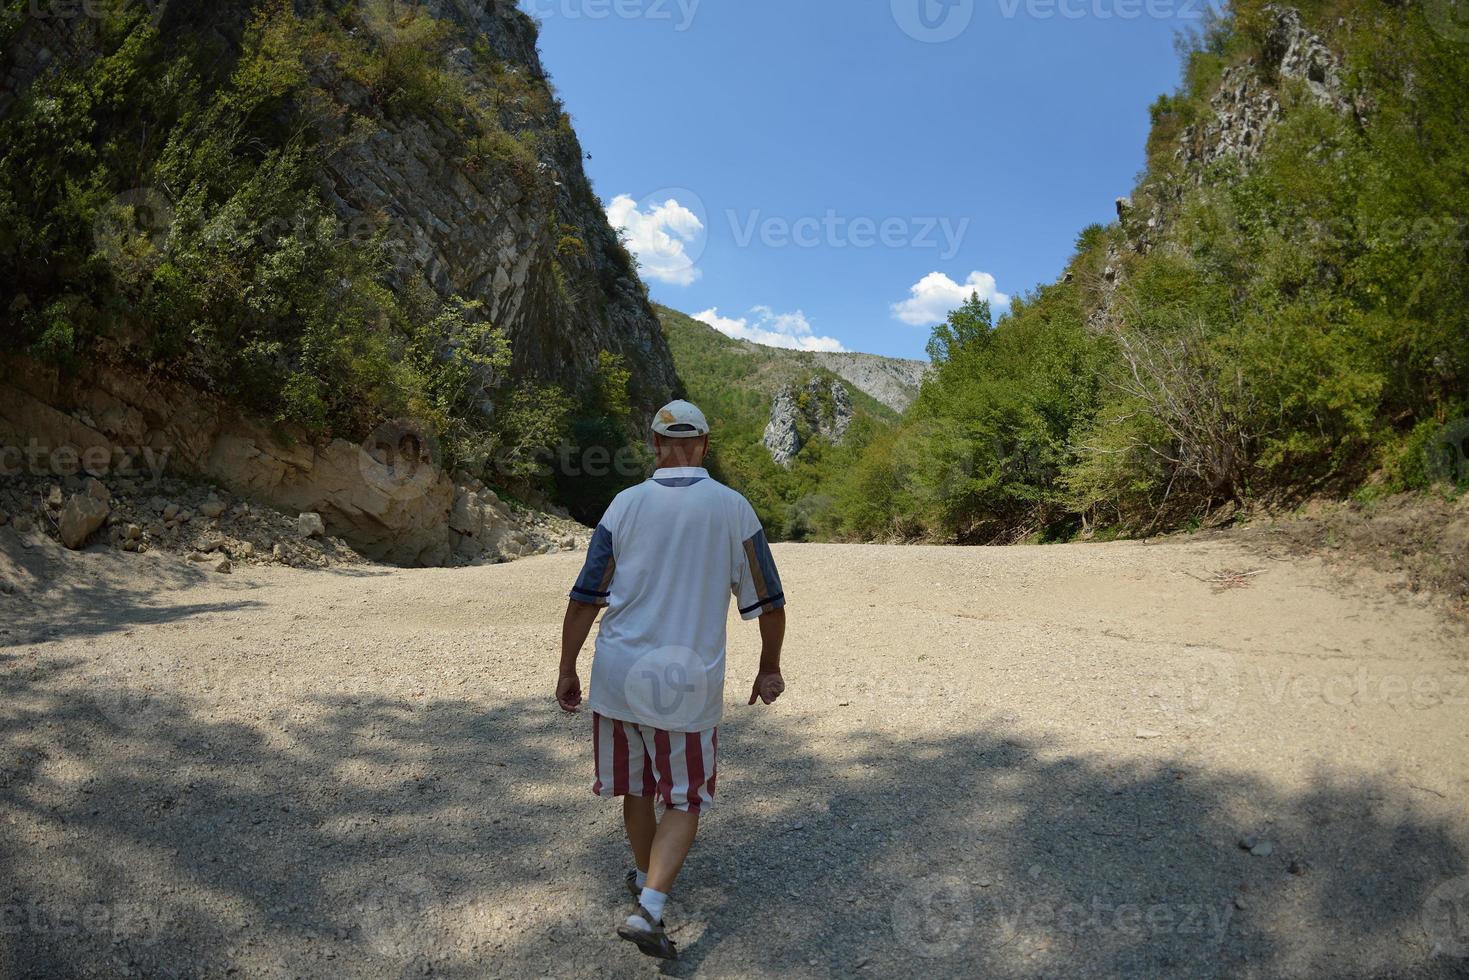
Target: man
[{"x": 663, "y": 562}]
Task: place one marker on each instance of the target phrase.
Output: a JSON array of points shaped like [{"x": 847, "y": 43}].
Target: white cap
[{"x": 680, "y": 420}]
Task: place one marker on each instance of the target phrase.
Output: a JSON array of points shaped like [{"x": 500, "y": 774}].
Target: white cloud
[
  {"x": 772, "y": 329},
  {"x": 935, "y": 295},
  {"x": 658, "y": 237}
]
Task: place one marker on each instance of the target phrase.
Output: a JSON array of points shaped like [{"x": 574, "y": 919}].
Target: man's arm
[
  {"x": 574, "y": 630},
  {"x": 769, "y": 685}
]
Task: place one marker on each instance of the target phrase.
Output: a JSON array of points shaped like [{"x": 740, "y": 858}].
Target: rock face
[
  {"x": 1247, "y": 103},
  {"x": 531, "y": 243},
  {"x": 493, "y": 234},
  {"x": 822, "y": 408},
  {"x": 891, "y": 381},
  {"x": 109, "y": 420},
  {"x": 1246, "y": 106}
]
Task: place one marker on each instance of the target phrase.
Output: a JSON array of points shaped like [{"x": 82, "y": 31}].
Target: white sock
[
  {"x": 641, "y": 879},
  {"x": 653, "y": 902}
]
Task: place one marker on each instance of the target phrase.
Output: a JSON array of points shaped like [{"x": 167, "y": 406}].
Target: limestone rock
[
  {"x": 97, "y": 490},
  {"x": 310, "y": 525},
  {"x": 782, "y": 437},
  {"x": 80, "y": 518},
  {"x": 211, "y": 508}
]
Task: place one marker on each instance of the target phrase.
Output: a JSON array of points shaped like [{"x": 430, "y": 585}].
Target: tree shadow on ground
[{"x": 315, "y": 830}]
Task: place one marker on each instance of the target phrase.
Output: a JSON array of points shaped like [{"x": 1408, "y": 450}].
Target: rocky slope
[
  {"x": 823, "y": 408},
  {"x": 892, "y": 381},
  {"x": 495, "y": 211}
]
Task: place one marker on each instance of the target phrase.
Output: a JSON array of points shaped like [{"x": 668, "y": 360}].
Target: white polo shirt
[{"x": 665, "y": 560}]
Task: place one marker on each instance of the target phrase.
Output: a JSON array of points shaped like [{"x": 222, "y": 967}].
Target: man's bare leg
[
  {"x": 641, "y": 821},
  {"x": 670, "y": 847}
]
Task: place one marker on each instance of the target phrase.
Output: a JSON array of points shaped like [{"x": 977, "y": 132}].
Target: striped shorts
[{"x": 635, "y": 760}]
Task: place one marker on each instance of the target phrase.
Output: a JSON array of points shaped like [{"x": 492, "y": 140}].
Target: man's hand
[
  {"x": 568, "y": 693},
  {"x": 767, "y": 687}
]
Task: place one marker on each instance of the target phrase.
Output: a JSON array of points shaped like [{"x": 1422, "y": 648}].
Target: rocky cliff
[
  {"x": 820, "y": 408},
  {"x": 434, "y": 133}
]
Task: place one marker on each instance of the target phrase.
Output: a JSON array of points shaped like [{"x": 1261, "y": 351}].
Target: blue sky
[{"x": 823, "y": 172}]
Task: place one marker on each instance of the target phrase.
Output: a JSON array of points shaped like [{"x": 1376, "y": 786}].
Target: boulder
[
  {"x": 310, "y": 525},
  {"x": 80, "y": 519}
]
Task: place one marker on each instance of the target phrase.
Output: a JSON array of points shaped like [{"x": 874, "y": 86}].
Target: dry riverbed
[{"x": 1176, "y": 759}]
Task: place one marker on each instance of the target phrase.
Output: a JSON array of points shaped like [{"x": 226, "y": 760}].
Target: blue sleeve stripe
[
  {"x": 594, "y": 583},
  {"x": 766, "y": 602},
  {"x": 762, "y": 566}
]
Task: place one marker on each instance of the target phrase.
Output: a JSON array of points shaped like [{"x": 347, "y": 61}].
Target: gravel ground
[{"x": 1171, "y": 759}]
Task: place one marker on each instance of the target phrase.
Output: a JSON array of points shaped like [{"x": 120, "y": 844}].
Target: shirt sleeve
[
  {"x": 757, "y": 585},
  {"x": 594, "y": 584}
]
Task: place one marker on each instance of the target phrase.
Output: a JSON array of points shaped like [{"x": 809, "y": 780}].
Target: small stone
[
  {"x": 80, "y": 519},
  {"x": 134, "y": 533},
  {"x": 158, "y": 505},
  {"x": 1248, "y": 842},
  {"x": 211, "y": 508},
  {"x": 310, "y": 525},
  {"x": 1263, "y": 849},
  {"x": 155, "y": 530},
  {"x": 184, "y": 517},
  {"x": 130, "y": 545},
  {"x": 277, "y": 552},
  {"x": 54, "y": 498},
  {"x": 1239, "y": 902},
  {"x": 199, "y": 557},
  {"x": 1146, "y": 733},
  {"x": 243, "y": 550},
  {"x": 170, "y": 512},
  {"x": 222, "y": 566},
  {"x": 22, "y": 523},
  {"x": 97, "y": 490}
]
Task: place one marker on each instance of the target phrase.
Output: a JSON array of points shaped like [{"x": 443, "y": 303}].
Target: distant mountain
[{"x": 786, "y": 421}]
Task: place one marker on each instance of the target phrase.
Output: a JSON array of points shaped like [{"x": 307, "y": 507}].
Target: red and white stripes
[{"x": 636, "y": 760}]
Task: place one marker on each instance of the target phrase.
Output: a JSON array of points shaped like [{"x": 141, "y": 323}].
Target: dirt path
[{"x": 1024, "y": 762}]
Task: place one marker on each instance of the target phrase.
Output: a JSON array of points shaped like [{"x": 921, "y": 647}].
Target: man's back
[{"x": 665, "y": 560}]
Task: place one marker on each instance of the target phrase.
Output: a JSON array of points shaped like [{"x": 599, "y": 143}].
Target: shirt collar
[{"x": 680, "y": 472}]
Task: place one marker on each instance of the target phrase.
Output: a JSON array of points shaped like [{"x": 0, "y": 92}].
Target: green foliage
[
  {"x": 163, "y": 199},
  {"x": 1299, "y": 326}
]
